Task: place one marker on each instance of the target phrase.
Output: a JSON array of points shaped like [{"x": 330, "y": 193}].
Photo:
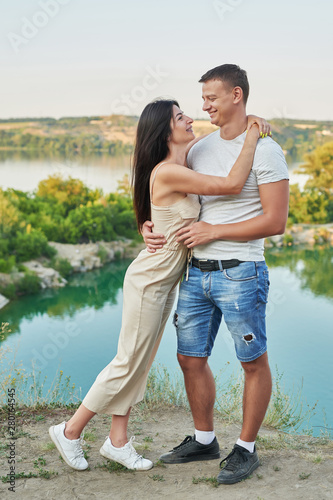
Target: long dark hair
[{"x": 151, "y": 147}]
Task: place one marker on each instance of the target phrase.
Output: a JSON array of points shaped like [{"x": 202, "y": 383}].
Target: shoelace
[
  {"x": 188, "y": 439},
  {"x": 233, "y": 459},
  {"x": 79, "y": 453},
  {"x": 133, "y": 450}
]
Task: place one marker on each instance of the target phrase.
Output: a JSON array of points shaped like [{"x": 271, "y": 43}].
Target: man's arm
[{"x": 274, "y": 198}]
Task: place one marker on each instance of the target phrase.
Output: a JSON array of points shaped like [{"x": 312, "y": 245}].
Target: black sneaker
[
  {"x": 240, "y": 463},
  {"x": 191, "y": 451}
]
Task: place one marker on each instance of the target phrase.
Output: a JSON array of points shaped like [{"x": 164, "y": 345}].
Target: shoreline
[
  {"x": 84, "y": 257},
  {"x": 81, "y": 257}
]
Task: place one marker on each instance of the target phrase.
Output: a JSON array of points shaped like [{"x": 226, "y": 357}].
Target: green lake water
[{"x": 76, "y": 328}]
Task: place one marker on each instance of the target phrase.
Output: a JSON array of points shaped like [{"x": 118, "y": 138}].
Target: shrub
[
  {"x": 102, "y": 254},
  {"x": 63, "y": 266},
  {"x": 30, "y": 283},
  {"x": 4, "y": 245},
  {"x": 6, "y": 265},
  {"x": 8, "y": 291},
  {"x": 32, "y": 245}
]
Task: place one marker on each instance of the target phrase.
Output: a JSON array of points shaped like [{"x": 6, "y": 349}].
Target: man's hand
[
  {"x": 152, "y": 240},
  {"x": 199, "y": 233}
]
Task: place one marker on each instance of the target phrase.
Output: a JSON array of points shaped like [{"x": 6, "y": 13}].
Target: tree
[
  {"x": 315, "y": 203},
  {"x": 9, "y": 215},
  {"x": 319, "y": 167}
]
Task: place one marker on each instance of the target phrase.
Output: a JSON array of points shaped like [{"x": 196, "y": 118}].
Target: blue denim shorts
[{"x": 239, "y": 294}]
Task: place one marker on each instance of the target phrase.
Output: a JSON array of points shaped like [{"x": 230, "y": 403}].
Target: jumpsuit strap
[{"x": 153, "y": 180}]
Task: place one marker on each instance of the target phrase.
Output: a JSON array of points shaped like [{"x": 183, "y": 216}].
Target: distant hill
[{"x": 116, "y": 133}]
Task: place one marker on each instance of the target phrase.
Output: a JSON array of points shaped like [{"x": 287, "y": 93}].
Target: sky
[{"x": 99, "y": 57}]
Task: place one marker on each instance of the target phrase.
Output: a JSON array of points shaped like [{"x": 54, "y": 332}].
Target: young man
[{"x": 228, "y": 275}]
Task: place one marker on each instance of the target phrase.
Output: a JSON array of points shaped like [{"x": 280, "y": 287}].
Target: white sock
[
  {"x": 204, "y": 437},
  {"x": 249, "y": 446}
]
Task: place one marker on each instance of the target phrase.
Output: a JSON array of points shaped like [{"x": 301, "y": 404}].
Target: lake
[
  {"x": 76, "y": 328},
  {"x": 21, "y": 171},
  {"x": 24, "y": 171}
]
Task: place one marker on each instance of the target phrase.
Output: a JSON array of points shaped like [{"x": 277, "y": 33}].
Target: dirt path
[{"x": 292, "y": 468}]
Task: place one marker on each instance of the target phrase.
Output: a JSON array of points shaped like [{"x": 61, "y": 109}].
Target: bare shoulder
[
  {"x": 168, "y": 171},
  {"x": 165, "y": 169}
]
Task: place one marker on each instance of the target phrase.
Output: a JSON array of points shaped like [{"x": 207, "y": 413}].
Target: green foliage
[
  {"x": 315, "y": 203},
  {"x": 63, "y": 266},
  {"x": 313, "y": 267},
  {"x": 319, "y": 166},
  {"x": 89, "y": 223},
  {"x": 31, "y": 245},
  {"x": 298, "y": 137},
  {"x": 6, "y": 265},
  {"x": 102, "y": 253},
  {"x": 8, "y": 291},
  {"x": 212, "y": 481},
  {"x": 65, "y": 211},
  {"x": 62, "y": 143},
  {"x": 30, "y": 283}
]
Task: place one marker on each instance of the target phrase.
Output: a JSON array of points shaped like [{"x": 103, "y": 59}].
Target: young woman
[{"x": 163, "y": 193}]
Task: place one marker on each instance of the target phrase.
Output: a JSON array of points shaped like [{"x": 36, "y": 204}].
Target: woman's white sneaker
[
  {"x": 127, "y": 455},
  {"x": 70, "y": 449}
]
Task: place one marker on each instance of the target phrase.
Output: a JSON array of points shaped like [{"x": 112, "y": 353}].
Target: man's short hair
[{"x": 232, "y": 75}]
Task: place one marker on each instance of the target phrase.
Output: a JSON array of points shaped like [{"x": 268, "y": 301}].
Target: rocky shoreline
[
  {"x": 307, "y": 235},
  {"x": 80, "y": 258},
  {"x": 88, "y": 256}
]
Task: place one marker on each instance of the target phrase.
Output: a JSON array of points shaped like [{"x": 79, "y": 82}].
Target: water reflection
[
  {"x": 93, "y": 289},
  {"x": 313, "y": 267},
  {"x": 61, "y": 328}
]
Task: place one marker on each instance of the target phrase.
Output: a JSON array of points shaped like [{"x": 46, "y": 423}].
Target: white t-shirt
[{"x": 216, "y": 156}]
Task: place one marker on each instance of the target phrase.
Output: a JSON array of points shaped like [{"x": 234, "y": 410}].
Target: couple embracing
[{"x": 214, "y": 244}]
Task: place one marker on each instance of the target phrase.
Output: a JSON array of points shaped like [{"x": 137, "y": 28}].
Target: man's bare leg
[
  {"x": 200, "y": 389},
  {"x": 243, "y": 459},
  {"x": 257, "y": 393}
]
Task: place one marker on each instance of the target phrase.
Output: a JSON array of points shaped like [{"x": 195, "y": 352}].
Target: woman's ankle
[
  {"x": 118, "y": 442},
  {"x": 70, "y": 433}
]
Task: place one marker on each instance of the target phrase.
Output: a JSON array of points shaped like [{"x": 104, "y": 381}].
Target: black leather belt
[{"x": 206, "y": 265}]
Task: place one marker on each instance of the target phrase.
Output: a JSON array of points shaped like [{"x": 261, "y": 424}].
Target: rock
[
  {"x": 277, "y": 240},
  {"x": 303, "y": 234},
  {"x": 3, "y": 301},
  {"x": 87, "y": 256},
  {"x": 50, "y": 278}
]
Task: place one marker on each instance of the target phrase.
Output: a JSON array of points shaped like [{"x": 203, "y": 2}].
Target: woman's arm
[{"x": 183, "y": 180}]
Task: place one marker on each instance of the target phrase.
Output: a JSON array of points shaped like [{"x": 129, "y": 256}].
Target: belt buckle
[{"x": 205, "y": 266}]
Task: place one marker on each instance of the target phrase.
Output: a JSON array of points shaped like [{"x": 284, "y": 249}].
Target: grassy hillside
[{"x": 116, "y": 133}]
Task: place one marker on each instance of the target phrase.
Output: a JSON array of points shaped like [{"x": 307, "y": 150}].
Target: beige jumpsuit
[{"x": 148, "y": 296}]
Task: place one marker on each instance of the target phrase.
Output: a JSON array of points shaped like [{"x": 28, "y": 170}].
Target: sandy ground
[{"x": 291, "y": 468}]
